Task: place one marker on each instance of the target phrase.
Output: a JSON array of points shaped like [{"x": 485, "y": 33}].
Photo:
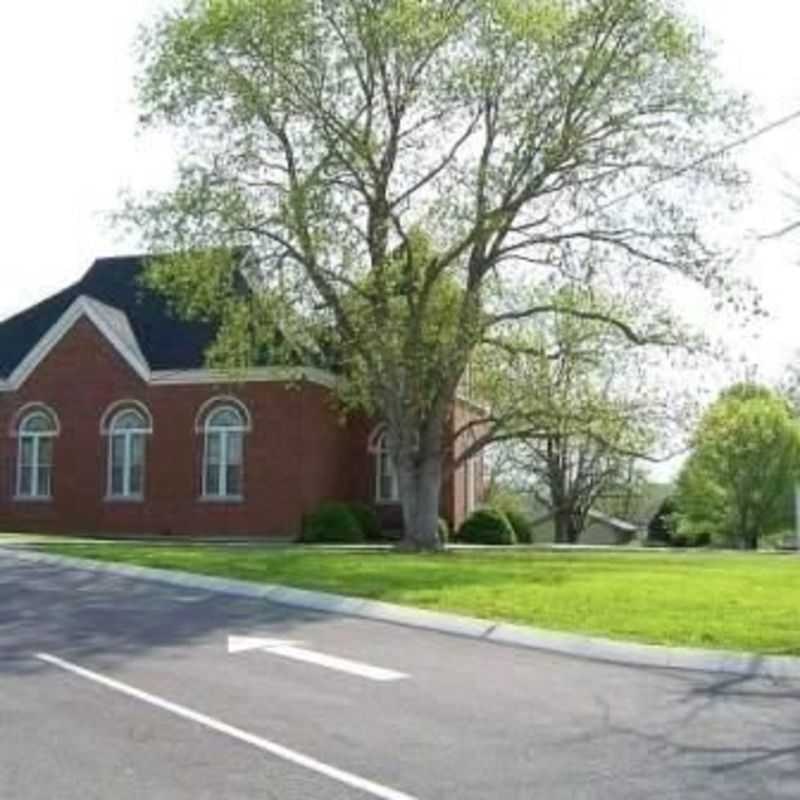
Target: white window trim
[
  {"x": 381, "y": 449},
  {"x": 470, "y": 495},
  {"x": 120, "y": 406},
  {"x": 36, "y": 437},
  {"x": 471, "y": 466},
  {"x": 107, "y": 424},
  {"x": 28, "y": 410},
  {"x": 225, "y": 433},
  {"x": 126, "y": 496},
  {"x": 218, "y": 403}
]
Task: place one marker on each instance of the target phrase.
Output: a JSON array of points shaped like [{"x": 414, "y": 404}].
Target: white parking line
[
  {"x": 265, "y": 745},
  {"x": 295, "y": 651}
]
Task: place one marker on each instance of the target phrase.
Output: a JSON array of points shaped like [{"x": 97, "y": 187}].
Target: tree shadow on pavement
[
  {"x": 80, "y": 616},
  {"x": 722, "y": 733}
]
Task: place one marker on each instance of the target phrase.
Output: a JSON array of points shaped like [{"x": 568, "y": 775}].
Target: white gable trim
[
  {"x": 115, "y": 327},
  {"x": 253, "y": 375},
  {"x": 98, "y": 314}
]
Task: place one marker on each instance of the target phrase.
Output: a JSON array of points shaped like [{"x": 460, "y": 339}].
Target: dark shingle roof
[{"x": 166, "y": 341}]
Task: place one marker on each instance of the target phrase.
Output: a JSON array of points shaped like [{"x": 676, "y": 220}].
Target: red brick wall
[
  {"x": 299, "y": 452},
  {"x": 455, "y": 491},
  {"x": 296, "y": 455}
]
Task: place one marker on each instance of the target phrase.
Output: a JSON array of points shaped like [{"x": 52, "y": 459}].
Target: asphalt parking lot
[{"x": 119, "y": 688}]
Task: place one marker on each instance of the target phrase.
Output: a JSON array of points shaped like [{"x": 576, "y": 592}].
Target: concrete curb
[{"x": 595, "y": 649}]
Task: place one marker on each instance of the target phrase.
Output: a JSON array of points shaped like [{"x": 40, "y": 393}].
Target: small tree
[
  {"x": 737, "y": 483},
  {"x": 580, "y": 414}
]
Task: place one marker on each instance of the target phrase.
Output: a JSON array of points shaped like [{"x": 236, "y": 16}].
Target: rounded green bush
[
  {"x": 487, "y": 526},
  {"x": 332, "y": 523},
  {"x": 523, "y": 526},
  {"x": 368, "y": 520}
]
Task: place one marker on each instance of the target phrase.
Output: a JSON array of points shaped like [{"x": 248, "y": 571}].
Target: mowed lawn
[{"x": 719, "y": 600}]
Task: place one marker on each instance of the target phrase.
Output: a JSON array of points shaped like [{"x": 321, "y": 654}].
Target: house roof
[
  {"x": 613, "y": 522},
  {"x": 595, "y": 516},
  {"x": 139, "y": 318}
]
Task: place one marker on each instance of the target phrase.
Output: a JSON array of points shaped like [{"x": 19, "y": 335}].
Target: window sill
[
  {"x": 234, "y": 500},
  {"x": 18, "y": 498},
  {"x": 116, "y": 500}
]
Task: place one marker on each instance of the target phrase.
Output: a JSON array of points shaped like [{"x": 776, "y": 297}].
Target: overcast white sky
[{"x": 68, "y": 146}]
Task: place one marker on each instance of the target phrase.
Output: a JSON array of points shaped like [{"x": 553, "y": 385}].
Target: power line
[
  {"x": 780, "y": 233},
  {"x": 710, "y": 156}
]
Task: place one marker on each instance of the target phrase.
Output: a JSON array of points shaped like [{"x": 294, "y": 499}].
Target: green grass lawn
[{"x": 698, "y": 599}]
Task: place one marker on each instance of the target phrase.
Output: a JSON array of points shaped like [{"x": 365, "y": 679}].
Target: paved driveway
[{"x": 117, "y": 688}]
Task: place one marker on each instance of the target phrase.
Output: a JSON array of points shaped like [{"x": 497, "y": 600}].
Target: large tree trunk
[
  {"x": 420, "y": 481},
  {"x": 568, "y": 524},
  {"x": 560, "y": 499},
  {"x": 748, "y": 536},
  {"x": 418, "y": 456},
  {"x": 574, "y": 528},
  {"x": 561, "y": 522},
  {"x": 750, "y": 540}
]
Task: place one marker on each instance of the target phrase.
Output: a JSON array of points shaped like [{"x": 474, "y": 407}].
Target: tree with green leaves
[
  {"x": 411, "y": 176},
  {"x": 578, "y": 414},
  {"x": 738, "y": 483}
]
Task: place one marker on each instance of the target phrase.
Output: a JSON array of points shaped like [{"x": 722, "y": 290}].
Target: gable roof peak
[{"x": 162, "y": 339}]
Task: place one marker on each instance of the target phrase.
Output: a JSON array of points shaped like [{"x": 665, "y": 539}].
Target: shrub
[
  {"x": 662, "y": 528},
  {"x": 523, "y": 526},
  {"x": 332, "y": 523},
  {"x": 487, "y": 526},
  {"x": 690, "y": 540},
  {"x": 367, "y": 520},
  {"x": 780, "y": 540}
]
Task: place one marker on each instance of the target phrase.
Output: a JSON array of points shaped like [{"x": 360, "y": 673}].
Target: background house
[
  {"x": 600, "y": 529},
  {"x": 110, "y": 422}
]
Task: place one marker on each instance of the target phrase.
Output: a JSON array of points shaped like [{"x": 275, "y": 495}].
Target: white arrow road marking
[
  {"x": 241, "y": 644},
  {"x": 295, "y": 651},
  {"x": 265, "y": 745}
]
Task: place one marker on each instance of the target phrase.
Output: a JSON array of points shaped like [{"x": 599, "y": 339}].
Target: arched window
[
  {"x": 471, "y": 477},
  {"x": 127, "y": 434},
  {"x": 387, "y": 489},
  {"x": 470, "y": 485},
  {"x": 223, "y": 460},
  {"x": 36, "y": 433}
]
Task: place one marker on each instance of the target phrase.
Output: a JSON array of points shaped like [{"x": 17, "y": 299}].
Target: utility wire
[
  {"x": 781, "y": 233},
  {"x": 706, "y": 157}
]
